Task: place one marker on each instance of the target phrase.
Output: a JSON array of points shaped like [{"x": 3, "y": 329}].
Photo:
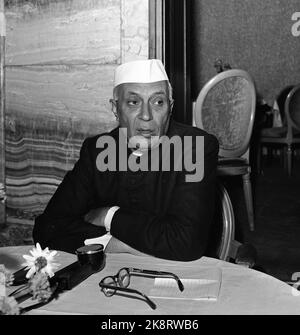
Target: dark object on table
[
  {"x": 20, "y": 277},
  {"x": 91, "y": 259},
  {"x": 92, "y": 254},
  {"x": 72, "y": 275}
]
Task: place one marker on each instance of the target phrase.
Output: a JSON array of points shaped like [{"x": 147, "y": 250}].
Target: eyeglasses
[{"x": 120, "y": 282}]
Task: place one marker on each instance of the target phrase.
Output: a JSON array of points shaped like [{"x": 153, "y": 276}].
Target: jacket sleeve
[
  {"x": 182, "y": 233},
  {"x": 62, "y": 225}
]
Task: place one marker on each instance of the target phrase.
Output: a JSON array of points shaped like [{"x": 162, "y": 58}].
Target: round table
[{"x": 242, "y": 290}]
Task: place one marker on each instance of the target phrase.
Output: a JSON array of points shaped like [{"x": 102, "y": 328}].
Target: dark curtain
[{"x": 177, "y": 15}]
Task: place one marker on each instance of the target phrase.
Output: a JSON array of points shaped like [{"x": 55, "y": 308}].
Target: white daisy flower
[{"x": 40, "y": 261}]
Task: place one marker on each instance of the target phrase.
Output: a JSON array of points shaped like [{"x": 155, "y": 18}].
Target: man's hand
[{"x": 97, "y": 216}]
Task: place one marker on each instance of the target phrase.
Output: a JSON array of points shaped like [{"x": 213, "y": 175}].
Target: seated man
[{"x": 137, "y": 188}]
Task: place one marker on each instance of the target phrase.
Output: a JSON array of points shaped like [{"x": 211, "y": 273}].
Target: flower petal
[
  {"x": 33, "y": 253},
  {"x": 34, "y": 262},
  {"x": 30, "y": 272},
  {"x": 52, "y": 253}
]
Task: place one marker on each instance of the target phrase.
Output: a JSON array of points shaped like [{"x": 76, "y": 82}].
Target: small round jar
[{"x": 92, "y": 254}]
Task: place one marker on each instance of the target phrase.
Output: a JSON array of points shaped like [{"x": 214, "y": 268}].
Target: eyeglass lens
[
  {"x": 110, "y": 282},
  {"x": 123, "y": 278}
]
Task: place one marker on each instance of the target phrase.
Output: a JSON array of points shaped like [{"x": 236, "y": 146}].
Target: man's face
[{"x": 144, "y": 110}]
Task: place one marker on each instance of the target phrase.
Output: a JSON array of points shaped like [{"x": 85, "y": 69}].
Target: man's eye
[
  {"x": 132, "y": 102},
  {"x": 158, "y": 102}
]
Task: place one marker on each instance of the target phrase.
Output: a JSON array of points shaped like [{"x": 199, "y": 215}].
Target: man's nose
[{"x": 146, "y": 113}]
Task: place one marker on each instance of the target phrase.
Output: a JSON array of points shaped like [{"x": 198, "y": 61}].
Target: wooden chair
[
  {"x": 222, "y": 243},
  {"x": 225, "y": 107},
  {"x": 286, "y": 136}
]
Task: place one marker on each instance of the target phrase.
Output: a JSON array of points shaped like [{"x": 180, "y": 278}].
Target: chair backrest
[
  {"x": 225, "y": 107},
  {"x": 281, "y": 98},
  {"x": 223, "y": 228},
  {"x": 292, "y": 110}
]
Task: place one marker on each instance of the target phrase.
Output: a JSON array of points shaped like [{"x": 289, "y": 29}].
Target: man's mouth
[{"x": 145, "y": 132}]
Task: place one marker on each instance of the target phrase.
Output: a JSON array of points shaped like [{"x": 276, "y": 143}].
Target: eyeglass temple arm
[
  {"x": 157, "y": 273},
  {"x": 130, "y": 290}
]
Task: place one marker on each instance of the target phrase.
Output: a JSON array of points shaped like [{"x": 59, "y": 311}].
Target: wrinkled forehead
[{"x": 142, "y": 89}]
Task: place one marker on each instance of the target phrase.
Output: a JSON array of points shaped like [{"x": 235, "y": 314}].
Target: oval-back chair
[
  {"x": 225, "y": 107},
  {"x": 222, "y": 243},
  {"x": 289, "y": 134}
]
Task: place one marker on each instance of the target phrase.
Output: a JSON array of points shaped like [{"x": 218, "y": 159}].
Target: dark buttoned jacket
[{"x": 161, "y": 213}]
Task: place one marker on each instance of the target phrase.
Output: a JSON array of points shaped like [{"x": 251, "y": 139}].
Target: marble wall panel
[
  {"x": 65, "y": 92},
  {"x": 59, "y": 77},
  {"x": 2, "y": 111},
  {"x": 50, "y": 110},
  {"x": 65, "y": 32},
  {"x": 134, "y": 30}
]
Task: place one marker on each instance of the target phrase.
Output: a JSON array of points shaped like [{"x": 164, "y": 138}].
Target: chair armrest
[{"x": 246, "y": 255}]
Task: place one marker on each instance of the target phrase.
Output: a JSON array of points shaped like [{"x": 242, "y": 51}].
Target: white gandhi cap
[{"x": 140, "y": 71}]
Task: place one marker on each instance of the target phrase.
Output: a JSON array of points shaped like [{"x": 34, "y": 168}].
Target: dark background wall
[{"x": 254, "y": 35}]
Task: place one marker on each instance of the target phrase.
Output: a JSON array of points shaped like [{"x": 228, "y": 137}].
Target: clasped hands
[{"x": 96, "y": 217}]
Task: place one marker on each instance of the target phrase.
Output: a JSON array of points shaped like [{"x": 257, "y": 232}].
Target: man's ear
[{"x": 114, "y": 108}]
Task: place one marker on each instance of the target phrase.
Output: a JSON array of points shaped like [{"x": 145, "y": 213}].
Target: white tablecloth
[{"x": 243, "y": 291}]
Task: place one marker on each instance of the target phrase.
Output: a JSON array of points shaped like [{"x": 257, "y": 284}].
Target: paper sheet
[{"x": 205, "y": 288}]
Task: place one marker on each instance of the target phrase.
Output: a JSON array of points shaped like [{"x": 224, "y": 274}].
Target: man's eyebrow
[
  {"x": 132, "y": 93},
  {"x": 159, "y": 92}
]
